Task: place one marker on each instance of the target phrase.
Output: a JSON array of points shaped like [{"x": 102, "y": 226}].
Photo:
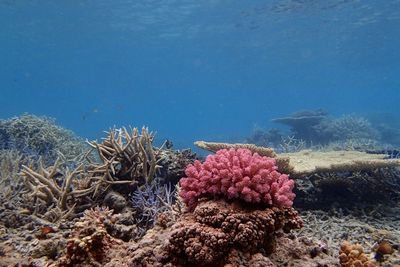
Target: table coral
[{"x": 237, "y": 173}]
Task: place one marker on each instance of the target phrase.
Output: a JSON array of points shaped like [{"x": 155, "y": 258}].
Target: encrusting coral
[
  {"x": 216, "y": 228},
  {"x": 90, "y": 243}
]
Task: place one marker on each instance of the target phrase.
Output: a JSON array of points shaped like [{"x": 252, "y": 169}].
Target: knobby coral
[
  {"x": 215, "y": 229},
  {"x": 89, "y": 243},
  {"x": 237, "y": 174},
  {"x": 353, "y": 256}
]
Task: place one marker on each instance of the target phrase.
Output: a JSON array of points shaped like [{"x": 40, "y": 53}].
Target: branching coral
[
  {"x": 345, "y": 128},
  {"x": 237, "y": 174},
  {"x": 39, "y": 136},
  {"x": 128, "y": 157},
  {"x": 54, "y": 187},
  {"x": 206, "y": 237},
  {"x": 150, "y": 201},
  {"x": 128, "y": 161}
]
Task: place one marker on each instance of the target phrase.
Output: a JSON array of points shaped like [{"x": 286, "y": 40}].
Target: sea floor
[{"x": 316, "y": 244}]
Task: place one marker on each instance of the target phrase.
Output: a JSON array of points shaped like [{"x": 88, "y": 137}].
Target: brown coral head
[{"x": 384, "y": 247}]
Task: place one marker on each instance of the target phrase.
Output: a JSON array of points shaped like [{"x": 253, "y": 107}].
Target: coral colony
[{"x": 237, "y": 174}]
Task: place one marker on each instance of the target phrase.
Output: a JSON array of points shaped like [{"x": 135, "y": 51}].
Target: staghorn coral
[
  {"x": 354, "y": 256},
  {"x": 237, "y": 174},
  {"x": 215, "y": 228},
  {"x": 52, "y": 189},
  {"x": 128, "y": 158}
]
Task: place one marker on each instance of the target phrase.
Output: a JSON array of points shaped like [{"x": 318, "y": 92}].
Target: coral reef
[
  {"x": 120, "y": 209},
  {"x": 281, "y": 162},
  {"x": 127, "y": 161},
  {"x": 380, "y": 185},
  {"x": 39, "y": 137},
  {"x": 289, "y": 251},
  {"x": 237, "y": 174},
  {"x": 290, "y": 144},
  {"x": 316, "y": 128},
  {"x": 12, "y": 197},
  {"x": 307, "y": 162}
]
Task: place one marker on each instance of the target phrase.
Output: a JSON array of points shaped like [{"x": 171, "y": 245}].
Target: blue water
[{"x": 210, "y": 69}]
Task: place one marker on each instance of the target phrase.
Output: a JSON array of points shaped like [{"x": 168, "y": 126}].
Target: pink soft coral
[{"x": 237, "y": 174}]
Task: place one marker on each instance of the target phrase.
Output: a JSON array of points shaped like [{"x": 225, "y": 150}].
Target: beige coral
[
  {"x": 307, "y": 162},
  {"x": 44, "y": 186},
  {"x": 128, "y": 157},
  {"x": 353, "y": 256}
]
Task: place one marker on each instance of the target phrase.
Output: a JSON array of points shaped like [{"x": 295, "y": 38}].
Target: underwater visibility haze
[
  {"x": 212, "y": 133},
  {"x": 196, "y": 69}
]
